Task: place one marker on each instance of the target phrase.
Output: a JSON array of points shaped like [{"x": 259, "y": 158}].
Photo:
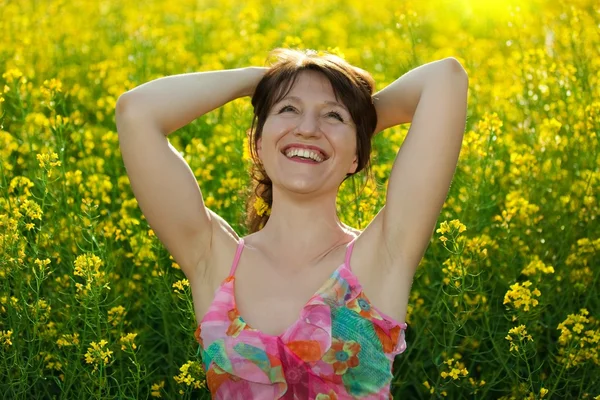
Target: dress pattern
[{"x": 340, "y": 347}]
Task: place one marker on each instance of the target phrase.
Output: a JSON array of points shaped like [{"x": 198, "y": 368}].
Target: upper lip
[{"x": 305, "y": 146}]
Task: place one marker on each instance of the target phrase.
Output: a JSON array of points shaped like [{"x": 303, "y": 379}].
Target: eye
[
  {"x": 337, "y": 115},
  {"x": 282, "y": 109}
]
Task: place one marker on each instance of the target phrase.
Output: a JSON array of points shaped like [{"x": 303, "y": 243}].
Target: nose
[{"x": 308, "y": 126}]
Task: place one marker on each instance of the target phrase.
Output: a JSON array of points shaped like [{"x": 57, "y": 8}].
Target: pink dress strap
[
  {"x": 236, "y": 259},
  {"x": 349, "y": 253}
]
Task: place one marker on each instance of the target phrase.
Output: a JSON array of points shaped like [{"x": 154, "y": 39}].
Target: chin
[{"x": 301, "y": 187}]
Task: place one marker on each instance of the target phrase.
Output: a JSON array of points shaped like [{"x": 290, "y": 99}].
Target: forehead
[{"x": 313, "y": 84}]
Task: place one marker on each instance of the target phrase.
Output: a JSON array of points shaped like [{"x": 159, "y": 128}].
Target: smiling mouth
[
  {"x": 318, "y": 156},
  {"x": 301, "y": 159}
]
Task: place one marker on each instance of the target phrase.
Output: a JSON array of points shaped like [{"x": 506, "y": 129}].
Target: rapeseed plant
[
  {"x": 127, "y": 342},
  {"x": 516, "y": 336},
  {"x": 192, "y": 375},
  {"x": 98, "y": 355},
  {"x": 156, "y": 389},
  {"x": 578, "y": 340},
  {"x": 456, "y": 369},
  {"x": 521, "y": 297},
  {"x": 518, "y": 237}
]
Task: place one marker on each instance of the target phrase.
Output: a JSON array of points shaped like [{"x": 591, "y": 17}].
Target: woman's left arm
[
  {"x": 433, "y": 97},
  {"x": 396, "y": 103}
]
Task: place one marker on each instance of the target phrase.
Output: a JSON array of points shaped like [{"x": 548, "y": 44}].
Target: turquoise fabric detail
[
  {"x": 217, "y": 353},
  {"x": 373, "y": 371},
  {"x": 254, "y": 354},
  {"x": 206, "y": 359}
]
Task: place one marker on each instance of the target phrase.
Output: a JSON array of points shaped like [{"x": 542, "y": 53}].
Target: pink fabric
[
  {"x": 236, "y": 259},
  {"x": 340, "y": 347}
]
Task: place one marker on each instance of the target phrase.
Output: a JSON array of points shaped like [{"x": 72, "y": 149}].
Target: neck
[{"x": 304, "y": 225}]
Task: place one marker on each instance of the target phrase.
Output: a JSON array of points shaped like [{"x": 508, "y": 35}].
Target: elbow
[
  {"x": 128, "y": 106},
  {"x": 122, "y": 103},
  {"x": 126, "y": 111},
  {"x": 456, "y": 67}
]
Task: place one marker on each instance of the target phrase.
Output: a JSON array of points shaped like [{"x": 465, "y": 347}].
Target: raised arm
[
  {"x": 434, "y": 98},
  {"x": 162, "y": 182},
  {"x": 174, "y": 101}
]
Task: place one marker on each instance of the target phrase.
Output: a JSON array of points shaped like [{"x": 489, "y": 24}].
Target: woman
[{"x": 318, "y": 307}]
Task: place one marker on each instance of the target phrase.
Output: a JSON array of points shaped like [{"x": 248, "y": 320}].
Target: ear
[
  {"x": 259, "y": 147},
  {"x": 354, "y": 166}
]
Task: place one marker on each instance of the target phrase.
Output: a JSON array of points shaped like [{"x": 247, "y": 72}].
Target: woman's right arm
[
  {"x": 174, "y": 101},
  {"x": 162, "y": 182}
]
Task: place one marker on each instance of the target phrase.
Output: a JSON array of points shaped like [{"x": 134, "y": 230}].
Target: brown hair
[{"x": 351, "y": 84}]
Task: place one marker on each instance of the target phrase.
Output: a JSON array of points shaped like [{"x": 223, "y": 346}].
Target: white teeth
[{"x": 304, "y": 153}]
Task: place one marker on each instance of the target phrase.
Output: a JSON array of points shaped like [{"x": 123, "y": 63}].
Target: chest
[
  {"x": 271, "y": 297},
  {"x": 340, "y": 343},
  {"x": 273, "y": 302}
]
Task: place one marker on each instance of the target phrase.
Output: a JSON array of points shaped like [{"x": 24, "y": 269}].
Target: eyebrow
[{"x": 332, "y": 103}]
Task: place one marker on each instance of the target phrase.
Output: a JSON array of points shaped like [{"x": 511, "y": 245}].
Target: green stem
[
  {"x": 557, "y": 381},
  {"x": 137, "y": 376},
  {"x": 529, "y": 374}
]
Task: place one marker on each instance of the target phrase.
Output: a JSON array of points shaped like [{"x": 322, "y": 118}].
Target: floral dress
[{"x": 341, "y": 346}]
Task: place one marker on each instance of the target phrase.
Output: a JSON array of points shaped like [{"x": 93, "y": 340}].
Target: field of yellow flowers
[{"x": 505, "y": 303}]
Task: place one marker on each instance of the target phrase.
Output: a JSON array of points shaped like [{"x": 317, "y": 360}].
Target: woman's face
[{"x": 309, "y": 115}]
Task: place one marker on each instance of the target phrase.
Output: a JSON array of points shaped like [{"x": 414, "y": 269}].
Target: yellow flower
[
  {"x": 519, "y": 333},
  {"x": 579, "y": 343},
  {"x": 47, "y": 162},
  {"x": 261, "y": 207},
  {"x": 89, "y": 266},
  {"x": 97, "y": 355},
  {"x": 536, "y": 265},
  {"x": 12, "y": 74},
  {"x": 20, "y": 185},
  {"x": 47, "y": 159},
  {"x": 443, "y": 228},
  {"x": 428, "y": 386},
  {"x": 41, "y": 263},
  {"x": 179, "y": 285},
  {"x": 127, "y": 340},
  {"x": 191, "y": 374},
  {"x": 453, "y": 226},
  {"x": 156, "y": 387},
  {"x": 116, "y": 315},
  {"x": 31, "y": 209},
  {"x": 456, "y": 369},
  {"x": 456, "y": 224},
  {"x": 68, "y": 339},
  {"x": 5, "y": 337},
  {"x": 246, "y": 150},
  {"x": 521, "y": 296}
]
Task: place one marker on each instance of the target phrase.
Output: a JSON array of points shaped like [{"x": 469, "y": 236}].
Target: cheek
[
  {"x": 265, "y": 145},
  {"x": 272, "y": 132},
  {"x": 269, "y": 129},
  {"x": 274, "y": 126},
  {"x": 346, "y": 143}
]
